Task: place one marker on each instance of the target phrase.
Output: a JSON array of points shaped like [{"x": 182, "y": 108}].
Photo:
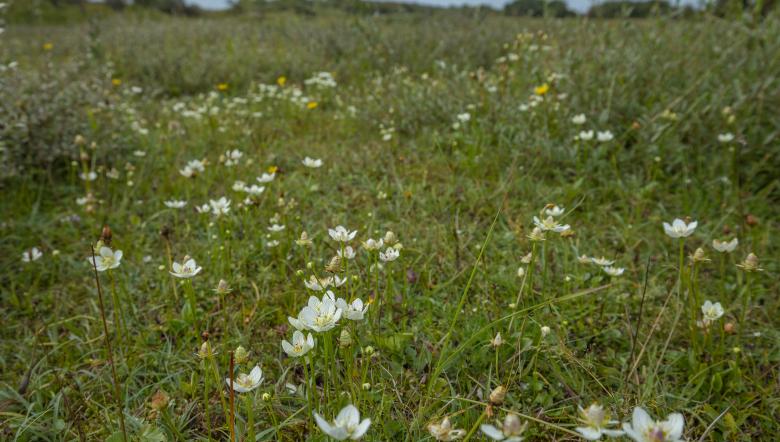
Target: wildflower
[
  {"x": 604, "y": 262},
  {"x": 220, "y": 207},
  {"x": 554, "y": 211},
  {"x": 206, "y": 351},
  {"x": 498, "y": 395},
  {"x": 175, "y": 204},
  {"x": 316, "y": 284},
  {"x": 187, "y": 270},
  {"x": 511, "y": 430},
  {"x": 645, "y": 429},
  {"x": 613, "y": 271},
  {"x": 312, "y": 163},
  {"x": 275, "y": 228},
  {"x": 347, "y": 424},
  {"x": 341, "y": 234},
  {"x": 106, "y": 259},
  {"x": 88, "y": 176},
  {"x": 371, "y": 244},
  {"x": 345, "y": 338},
  {"x": 536, "y": 234},
  {"x": 497, "y": 341},
  {"x": 222, "y": 288},
  {"x": 354, "y": 311},
  {"x": 271, "y": 244},
  {"x": 604, "y": 136},
  {"x": 232, "y": 157},
  {"x": 349, "y": 253},
  {"x": 240, "y": 355},
  {"x": 322, "y": 318},
  {"x": 726, "y": 138},
  {"x": 541, "y": 90},
  {"x": 520, "y": 272},
  {"x": 205, "y": 208},
  {"x": 585, "y": 135},
  {"x": 527, "y": 258},
  {"x": 390, "y": 238},
  {"x": 579, "y": 119},
  {"x": 281, "y": 81},
  {"x": 31, "y": 255},
  {"x": 595, "y": 420},
  {"x": 300, "y": 345},
  {"x": 244, "y": 383},
  {"x": 48, "y": 46},
  {"x": 750, "y": 264},
  {"x": 304, "y": 239},
  {"x": 550, "y": 224},
  {"x": 266, "y": 178},
  {"x": 334, "y": 266},
  {"x": 222, "y": 87},
  {"x": 544, "y": 330},
  {"x": 679, "y": 228},
  {"x": 724, "y": 246},
  {"x": 699, "y": 256},
  {"x": 159, "y": 400},
  {"x": 711, "y": 312},
  {"x": 389, "y": 255},
  {"x": 192, "y": 168},
  {"x": 443, "y": 431},
  {"x": 312, "y": 105}
]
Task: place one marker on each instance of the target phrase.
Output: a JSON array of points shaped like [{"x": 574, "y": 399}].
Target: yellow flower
[
  {"x": 116, "y": 81},
  {"x": 272, "y": 169},
  {"x": 222, "y": 87},
  {"x": 541, "y": 90},
  {"x": 281, "y": 81},
  {"x": 48, "y": 46},
  {"x": 311, "y": 105}
]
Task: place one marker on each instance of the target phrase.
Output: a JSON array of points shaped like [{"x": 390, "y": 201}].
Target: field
[{"x": 518, "y": 173}]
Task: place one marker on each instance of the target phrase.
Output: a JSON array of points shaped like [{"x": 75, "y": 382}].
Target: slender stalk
[
  {"x": 232, "y": 416},
  {"x": 249, "y": 403},
  {"x": 206, "y": 388},
  {"x": 109, "y": 353}
]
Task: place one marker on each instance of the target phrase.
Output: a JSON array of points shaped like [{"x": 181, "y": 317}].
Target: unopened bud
[
  {"x": 498, "y": 395},
  {"x": 240, "y": 355}
]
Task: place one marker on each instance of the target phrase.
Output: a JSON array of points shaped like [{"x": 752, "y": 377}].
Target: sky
[{"x": 577, "y": 5}]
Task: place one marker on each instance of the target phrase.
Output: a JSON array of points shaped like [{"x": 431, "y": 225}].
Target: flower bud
[
  {"x": 160, "y": 400},
  {"x": 222, "y": 288},
  {"x": 545, "y": 330},
  {"x": 205, "y": 350},
  {"x": 728, "y": 327},
  {"x": 266, "y": 397},
  {"x": 497, "y": 341},
  {"x": 345, "y": 339},
  {"x": 498, "y": 395},
  {"x": 240, "y": 355},
  {"x": 366, "y": 386},
  {"x": 520, "y": 272},
  {"x": 368, "y": 351}
]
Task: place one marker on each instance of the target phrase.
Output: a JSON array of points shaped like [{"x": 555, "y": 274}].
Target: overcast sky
[{"x": 577, "y": 5}]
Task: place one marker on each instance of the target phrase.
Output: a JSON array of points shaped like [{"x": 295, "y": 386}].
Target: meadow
[{"x": 465, "y": 226}]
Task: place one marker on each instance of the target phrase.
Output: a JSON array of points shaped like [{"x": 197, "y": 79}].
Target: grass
[{"x": 460, "y": 194}]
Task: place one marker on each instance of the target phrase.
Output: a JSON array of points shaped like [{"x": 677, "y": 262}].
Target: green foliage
[{"x": 538, "y": 8}]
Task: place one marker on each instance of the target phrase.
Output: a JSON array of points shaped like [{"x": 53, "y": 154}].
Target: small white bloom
[
  {"x": 239, "y": 186},
  {"x": 254, "y": 190},
  {"x": 175, "y": 204},
  {"x": 275, "y": 228},
  {"x": 187, "y": 270},
  {"x": 725, "y": 246},
  {"x": 220, "y": 207},
  {"x": 391, "y": 254},
  {"x": 444, "y": 431},
  {"x": 106, "y": 259},
  {"x": 544, "y": 330},
  {"x": 520, "y": 272},
  {"x": 550, "y": 224},
  {"x": 312, "y": 163},
  {"x": 349, "y": 253},
  {"x": 579, "y": 119},
  {"x": 604, "y": 136},
  {"x": 726, "y": 138},
  {"x": 604, "y": 262},
  {"x": 613, "y": 271},
  {"x": 341, "y": 234},
  {"x": 266, "y": 178},
  {"x": 316, "y": 284},
  {"x": 511, "y": 430},
  {"x": 679, "y": 229},
  {"x": 31, "y": 255},
  {"x": 354, "y": 311},
  {"x": 595, "y": 420},
  {"x": 244, "y": 383},
  {"x": 711, "y": 312},
  {"x": 300, "y": 345},
  {"x": 644, "y": 429},
  {"x": 347, "y": 424},
  {"x": 320, "y": 317},
  {"x": 586, "y": 135},
  {"x": 371, "y": 244},
  {"x": 554, "y": 211},
  {"x": 88, "y": 176}
]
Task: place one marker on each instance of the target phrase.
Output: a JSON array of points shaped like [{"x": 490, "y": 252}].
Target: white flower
[
  {"x": 391, "y": 254},
  {"x": 336, "y": 281},
  {"x": 192, "y": 168},
  {"x": 554, "y": 211},
  {"x": 175, "y": 204},
  {"x": 371, "y": 244},
  {"x": 497, "y": 341},
  {"x": 354, "y": 311},
  {"x": 320, "y": 317},
  {"x": 300, "y": 345},
  {"x": 604, "y": 136},
  {"x": 444, "y": 431},
  {"x": 349, "y": 253},
  {"x": 106, "y": 259},
  {"x": 244, "y": 383},
  {"x": 220, "y": 206},
  {"x": 275, "y": 228},
  {"x": 232, "y": 157},
  {"x": 604, "y": 262},
  {"x": 347, "y": 424},
  {"x": 316, "y": 284},
  {"x": 88, "y": 176},
  {"x": 204, "y": 208},
  {"x": 579, "y": 119},
  {"x": 711, "y": 312},
  {"x": 238, "y": 186},
  {"x": 187, "y": 270},
  {"x": 613, "y": 271},
  {"x": 511, "y": 430},
  {"x": 726, "y": 138},
  {"x": 272, "y": 243},
  {"x": 266, "y": 178},
  {"x": 254, "y": 190},
  {"x": 31, "y": 255},
  {"x": 595, "y": 419},
  {"x": 645, "y": 429},
  {"x": 586, "y": 135},
  {"x": 520, "y": 272},
  {"x": 550, "y": 224},
  {"x": 679, "y": 229},
  {"x": 544, "y": 330},
  {"x": 312, "y": 163},
  {"x": 585, "y": 259},
  {"x": 724, "y": 246},
  {"x": 341, "y": 234}
]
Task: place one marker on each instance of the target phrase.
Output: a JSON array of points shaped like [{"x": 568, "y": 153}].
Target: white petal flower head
[
  {"x": 106, "y": 259},
  {"x": 266, "y": 178},
  {"x": 644, "y": 429},
  {"x": 203, "y": 209},
  {"x": 88, "y": 176},
  {"x": 511, "y": 430},
  {"x": 341, "y": 234},
  {"x": 550, "y": 224},
  {"x": 187, "y": 270},
  {"x": 275, "y": 228},
  {"x": 316, "y": 284},
  {"x": 595, "y": 421},
  {"x": 391, "y": 254},
  {"x": 300, "y": 345},
  {"x": 584, "y": 259},
  {"x": 31, "y": 255},
  {"x": 354, "y": 311},
  {"x": 712, "y": 312},
  {"x": 347, "y": 424},
  {"x": 220, "y": 207},
  {"x": 349, "y": 253},
  {"x": 554, "y": 211},
  {"x": 254, "y": 190},
  {"x": 602, "y": 261},
  {"x": 604, "y": 136},
  {"x": 372, "y": 244},
  {"x": 244, "y": 383},
  {"x": 726, "y": 138},
  {"x": 239, "y": 186},
  {"x": 321, "y": 318},
  {"x": 175, "y": 204},
  {"x": 312, "y": 163},
  {"x": 443, "y": 431},
  {"x": 579, "y": 119},
  {"x": 613, "y": 271},
  {"x": 586, "y": 135},
  {"x": 679, "y": 228},
  {"x": 725, "y": 246}
]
